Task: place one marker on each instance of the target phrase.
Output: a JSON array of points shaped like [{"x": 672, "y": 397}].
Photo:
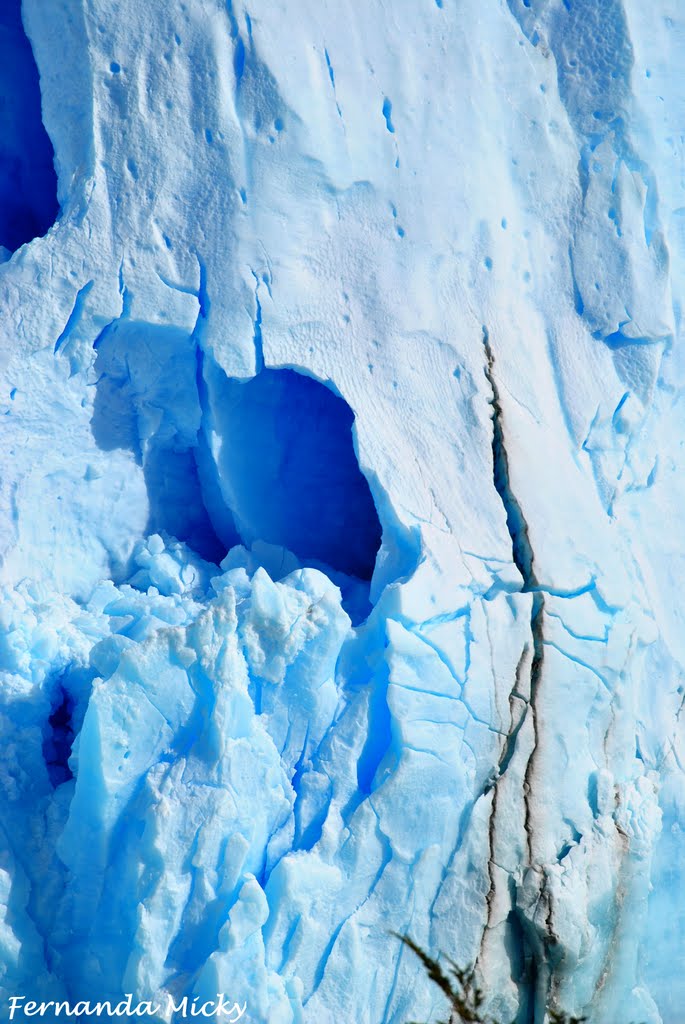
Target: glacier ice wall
[{"x": 342, "y": 478}]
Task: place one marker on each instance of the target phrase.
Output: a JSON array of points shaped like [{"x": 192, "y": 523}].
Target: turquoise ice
[{"x": 341, "y": 496}]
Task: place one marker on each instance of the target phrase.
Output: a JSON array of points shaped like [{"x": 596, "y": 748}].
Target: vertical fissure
[
  {"x": 532, "y": 957},
  {"x": 257, "y": 329}
]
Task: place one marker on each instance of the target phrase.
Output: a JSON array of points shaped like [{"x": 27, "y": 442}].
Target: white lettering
[
  {"x": 14, "y": 1004},
  {"x": 181, "y": 1008},
  {"x": 230, "y": 1013},
  {"x": 123, "y": 1009},
  {"x": 146, "y": 1009},
  {"x": 224, "y": 1008}
]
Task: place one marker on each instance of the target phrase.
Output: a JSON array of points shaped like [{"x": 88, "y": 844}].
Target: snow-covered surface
[{"x": 466, "y": 220}]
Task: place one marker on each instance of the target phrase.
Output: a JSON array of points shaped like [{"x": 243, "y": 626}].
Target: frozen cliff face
[{"x": 342, "y": 483}]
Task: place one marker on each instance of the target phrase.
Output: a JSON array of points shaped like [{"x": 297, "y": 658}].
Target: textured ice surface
[{"x": 342, "y": 486}]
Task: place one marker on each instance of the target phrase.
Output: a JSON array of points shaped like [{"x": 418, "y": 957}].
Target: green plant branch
[{"x": 464, "y": 996}]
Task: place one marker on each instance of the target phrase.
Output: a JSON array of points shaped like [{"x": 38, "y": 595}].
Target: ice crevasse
[{"x": 341, "y": 491}]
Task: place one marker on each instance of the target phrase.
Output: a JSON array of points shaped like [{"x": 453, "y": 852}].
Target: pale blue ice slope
[{"x": 342, "y": 504}]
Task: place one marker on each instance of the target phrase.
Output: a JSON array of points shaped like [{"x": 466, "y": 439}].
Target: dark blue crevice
[
  {"x": 58, "y": 740},
  {"x": 28, "y": 183},
  {"x": 378, "y": 738},
  {"x": 331, "y": 72},
  {"x": 289, "y": 473}
]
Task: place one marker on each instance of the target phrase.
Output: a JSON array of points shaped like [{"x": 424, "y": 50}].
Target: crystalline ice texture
[{"x": 341, "y": 498}]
